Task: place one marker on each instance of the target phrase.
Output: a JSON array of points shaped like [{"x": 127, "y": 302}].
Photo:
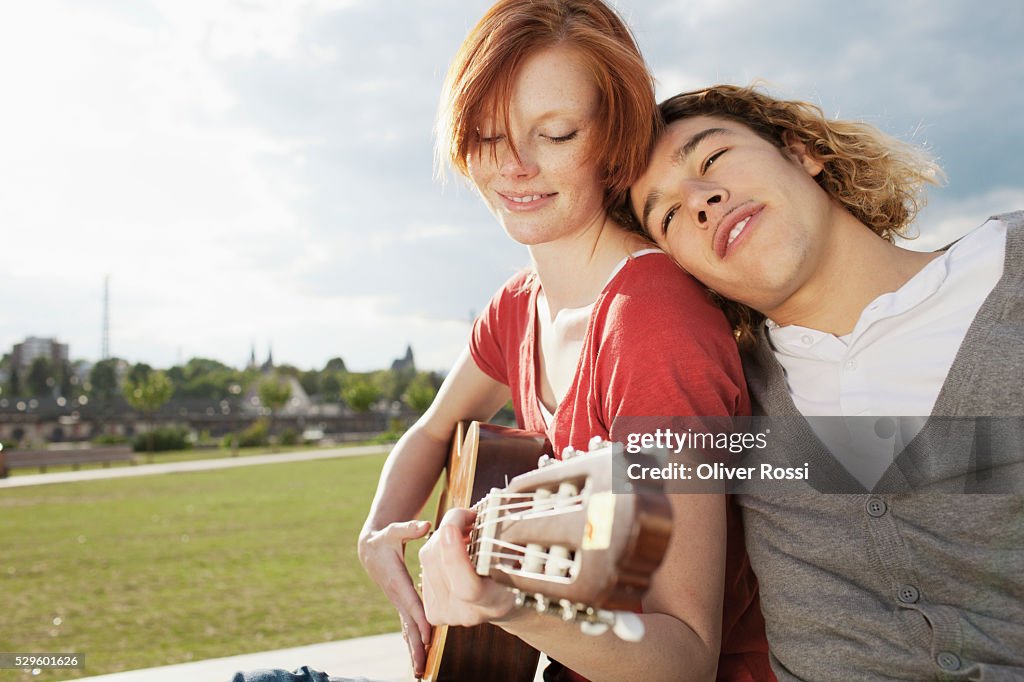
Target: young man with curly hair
[{"x": 789, "y": 219}]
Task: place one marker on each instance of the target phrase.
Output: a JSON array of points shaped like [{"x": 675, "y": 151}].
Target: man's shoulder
[{"x": 1014, "y": 219}]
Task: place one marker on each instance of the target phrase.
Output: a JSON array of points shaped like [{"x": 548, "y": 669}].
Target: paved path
[
  {"x": 381, "y": 657},
  {"x": 378, "y": 658},
  {"x": 193, "y": 465}
]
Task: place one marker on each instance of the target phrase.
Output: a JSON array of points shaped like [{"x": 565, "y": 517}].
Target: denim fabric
[{"x": 303, "y": 674}]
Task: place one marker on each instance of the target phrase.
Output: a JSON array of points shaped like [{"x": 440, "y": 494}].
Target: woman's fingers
[
  {"x": 453, "y": 592},
  {"x": 406, "y": 530},
  {"x": 417, "y": 648},
  {"x": 384, "y": 559}
]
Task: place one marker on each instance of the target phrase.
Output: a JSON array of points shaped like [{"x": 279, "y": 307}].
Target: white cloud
[
  {"x": 262, "y": 171},
  {"x": 945, "y": 220}
]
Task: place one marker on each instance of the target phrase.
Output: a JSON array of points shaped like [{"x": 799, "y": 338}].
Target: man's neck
[{"x": 857, "y": 267}]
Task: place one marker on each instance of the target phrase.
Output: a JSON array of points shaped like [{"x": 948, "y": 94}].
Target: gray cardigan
[{"x": 892, "y": 584}]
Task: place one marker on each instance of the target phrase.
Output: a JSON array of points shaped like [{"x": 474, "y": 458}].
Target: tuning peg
[
  {"x": 593, "y": 628},
  {"x": 544, "y": 460},
  {"x": 542, "y": 603},
  {"x": 569, "y": 610},
  {"x": 596, "y": 443},
  {"x": 568, "y": 453},
  {"x": 628, "y": 626}
]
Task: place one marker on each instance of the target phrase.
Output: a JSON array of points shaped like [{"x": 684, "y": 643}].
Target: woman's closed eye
[{"x": 562, "y": 138}]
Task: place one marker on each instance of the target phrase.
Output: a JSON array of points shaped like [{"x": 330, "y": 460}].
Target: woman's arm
[{"x": 406, "y": 482}]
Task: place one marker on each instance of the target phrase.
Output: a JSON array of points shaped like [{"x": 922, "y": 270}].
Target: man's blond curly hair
[{"x": 877, "y": 178}]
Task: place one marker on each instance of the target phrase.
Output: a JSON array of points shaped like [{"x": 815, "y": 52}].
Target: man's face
[{"x": 740, "y": 214}]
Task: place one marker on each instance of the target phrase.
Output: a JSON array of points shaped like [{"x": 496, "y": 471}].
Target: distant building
[
  {"x": 35, "y": 347},
  {"x": 406, "y": 362}
]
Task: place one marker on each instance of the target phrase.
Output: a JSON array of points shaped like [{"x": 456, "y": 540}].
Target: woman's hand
[
  {"x": 453, "y": 592},
  {"x": 382, "y": 553}
]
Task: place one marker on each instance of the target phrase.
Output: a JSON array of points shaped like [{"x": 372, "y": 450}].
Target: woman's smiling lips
[
  {"x": 733, "y": 226},
  {"x": 525, "y": 201}
]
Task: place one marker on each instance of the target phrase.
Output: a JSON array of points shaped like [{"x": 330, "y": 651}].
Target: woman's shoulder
[
  {"x": 652, "y": 283},
  {"x": 516, "y": 290}
]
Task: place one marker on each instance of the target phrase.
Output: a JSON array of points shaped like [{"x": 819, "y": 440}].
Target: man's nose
[{"x": 704, "y": 201}]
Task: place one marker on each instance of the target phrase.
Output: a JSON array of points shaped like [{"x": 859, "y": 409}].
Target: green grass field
[{"x": 166, "y": 569}]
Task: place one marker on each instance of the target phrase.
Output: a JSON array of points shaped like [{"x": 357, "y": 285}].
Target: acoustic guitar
[{"x": 555, "y": 534}]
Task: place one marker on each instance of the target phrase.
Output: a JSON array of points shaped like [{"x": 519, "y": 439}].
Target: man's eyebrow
[
  {"x": 679, "y": 158},
  {"x": 651, "y": 200},
  {"x": 683, "y": 152}
]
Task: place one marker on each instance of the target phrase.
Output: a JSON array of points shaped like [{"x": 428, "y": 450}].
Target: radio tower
[{"x": 105, "y": 352}]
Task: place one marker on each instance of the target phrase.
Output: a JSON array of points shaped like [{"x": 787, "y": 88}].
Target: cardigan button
[
  {"x": 948, "y": 661},
  {"x": 908, "y": 594},
  {"x": 876, "y": 507}
]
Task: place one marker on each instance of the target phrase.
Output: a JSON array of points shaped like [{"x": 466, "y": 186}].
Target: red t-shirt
[{"x": 655, "y": 346}]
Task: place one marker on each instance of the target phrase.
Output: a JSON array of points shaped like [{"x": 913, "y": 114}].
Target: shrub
[
  {"x": 288, "y": 437},
  {"x": 255, "y": 435},
  {"x": 163, "y": 438},
  {"x": 109, "y": 439}
]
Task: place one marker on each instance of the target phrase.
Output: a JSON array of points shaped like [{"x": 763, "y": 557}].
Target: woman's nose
[{"x": 517, "y": 163}]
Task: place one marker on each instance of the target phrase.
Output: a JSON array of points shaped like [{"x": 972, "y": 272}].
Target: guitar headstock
[{"x": 561, "y": 538}]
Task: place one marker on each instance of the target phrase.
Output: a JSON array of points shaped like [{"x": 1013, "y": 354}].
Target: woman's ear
[{"x": 798, "y": 152}]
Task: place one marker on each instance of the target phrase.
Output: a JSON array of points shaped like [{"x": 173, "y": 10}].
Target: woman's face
[{"x": 552, "y": 190}]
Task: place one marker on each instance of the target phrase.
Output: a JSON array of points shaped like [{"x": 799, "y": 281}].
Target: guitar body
[{"x": 483, "y": 456}]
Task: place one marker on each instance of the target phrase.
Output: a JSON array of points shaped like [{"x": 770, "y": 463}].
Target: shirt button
[
  {"x": 806, "y": 338},
  {"x": 908, "y": 594},
  {"x": 948, "y": 661},
  {"x": 851, "y": 364},
  {"x": 876, "y": 507}
]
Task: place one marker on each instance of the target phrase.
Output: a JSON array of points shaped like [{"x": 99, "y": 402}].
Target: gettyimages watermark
[{"x": 829, "y": 455}]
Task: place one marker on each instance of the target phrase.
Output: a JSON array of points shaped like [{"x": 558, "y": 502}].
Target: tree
[
  {"x": 139, "y": 372},
  {"x": 420, "y": 392},
  {"x": 360, "y": 394},
  {"x": 103, "y": 380},
  {"x": 310, "y": 382},
  {"x": 204, "y": 378},
  {"x": 41, "y": 379},
  {"x": 14, "y": 382},
  {"x": 148, "y": 394},
  {"x": 275, "y": 393},
  {"x": 330, "y": 385},
  {"x": 335, "y": 365}
]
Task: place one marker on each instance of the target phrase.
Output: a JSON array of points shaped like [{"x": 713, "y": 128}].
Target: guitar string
[
  {"x": 524, "y": 509},
  {"x": 487, "y": 524},
  {"x": 528, "y": 505},
  {"x": 476, "y": 542},
  {"x": 547, "y": 556}
]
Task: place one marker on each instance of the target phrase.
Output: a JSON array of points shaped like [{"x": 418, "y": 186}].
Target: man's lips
[{"x": 734, "y": 225}]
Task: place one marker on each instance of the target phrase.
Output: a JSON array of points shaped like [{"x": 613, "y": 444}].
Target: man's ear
[{"x": 798, "y": 152}]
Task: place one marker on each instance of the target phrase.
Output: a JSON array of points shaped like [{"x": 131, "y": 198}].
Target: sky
[{"x": 259, "y": 174}]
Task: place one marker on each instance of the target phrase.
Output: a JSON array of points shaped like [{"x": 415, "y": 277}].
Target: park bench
[{"x": 30, "y": 459}]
